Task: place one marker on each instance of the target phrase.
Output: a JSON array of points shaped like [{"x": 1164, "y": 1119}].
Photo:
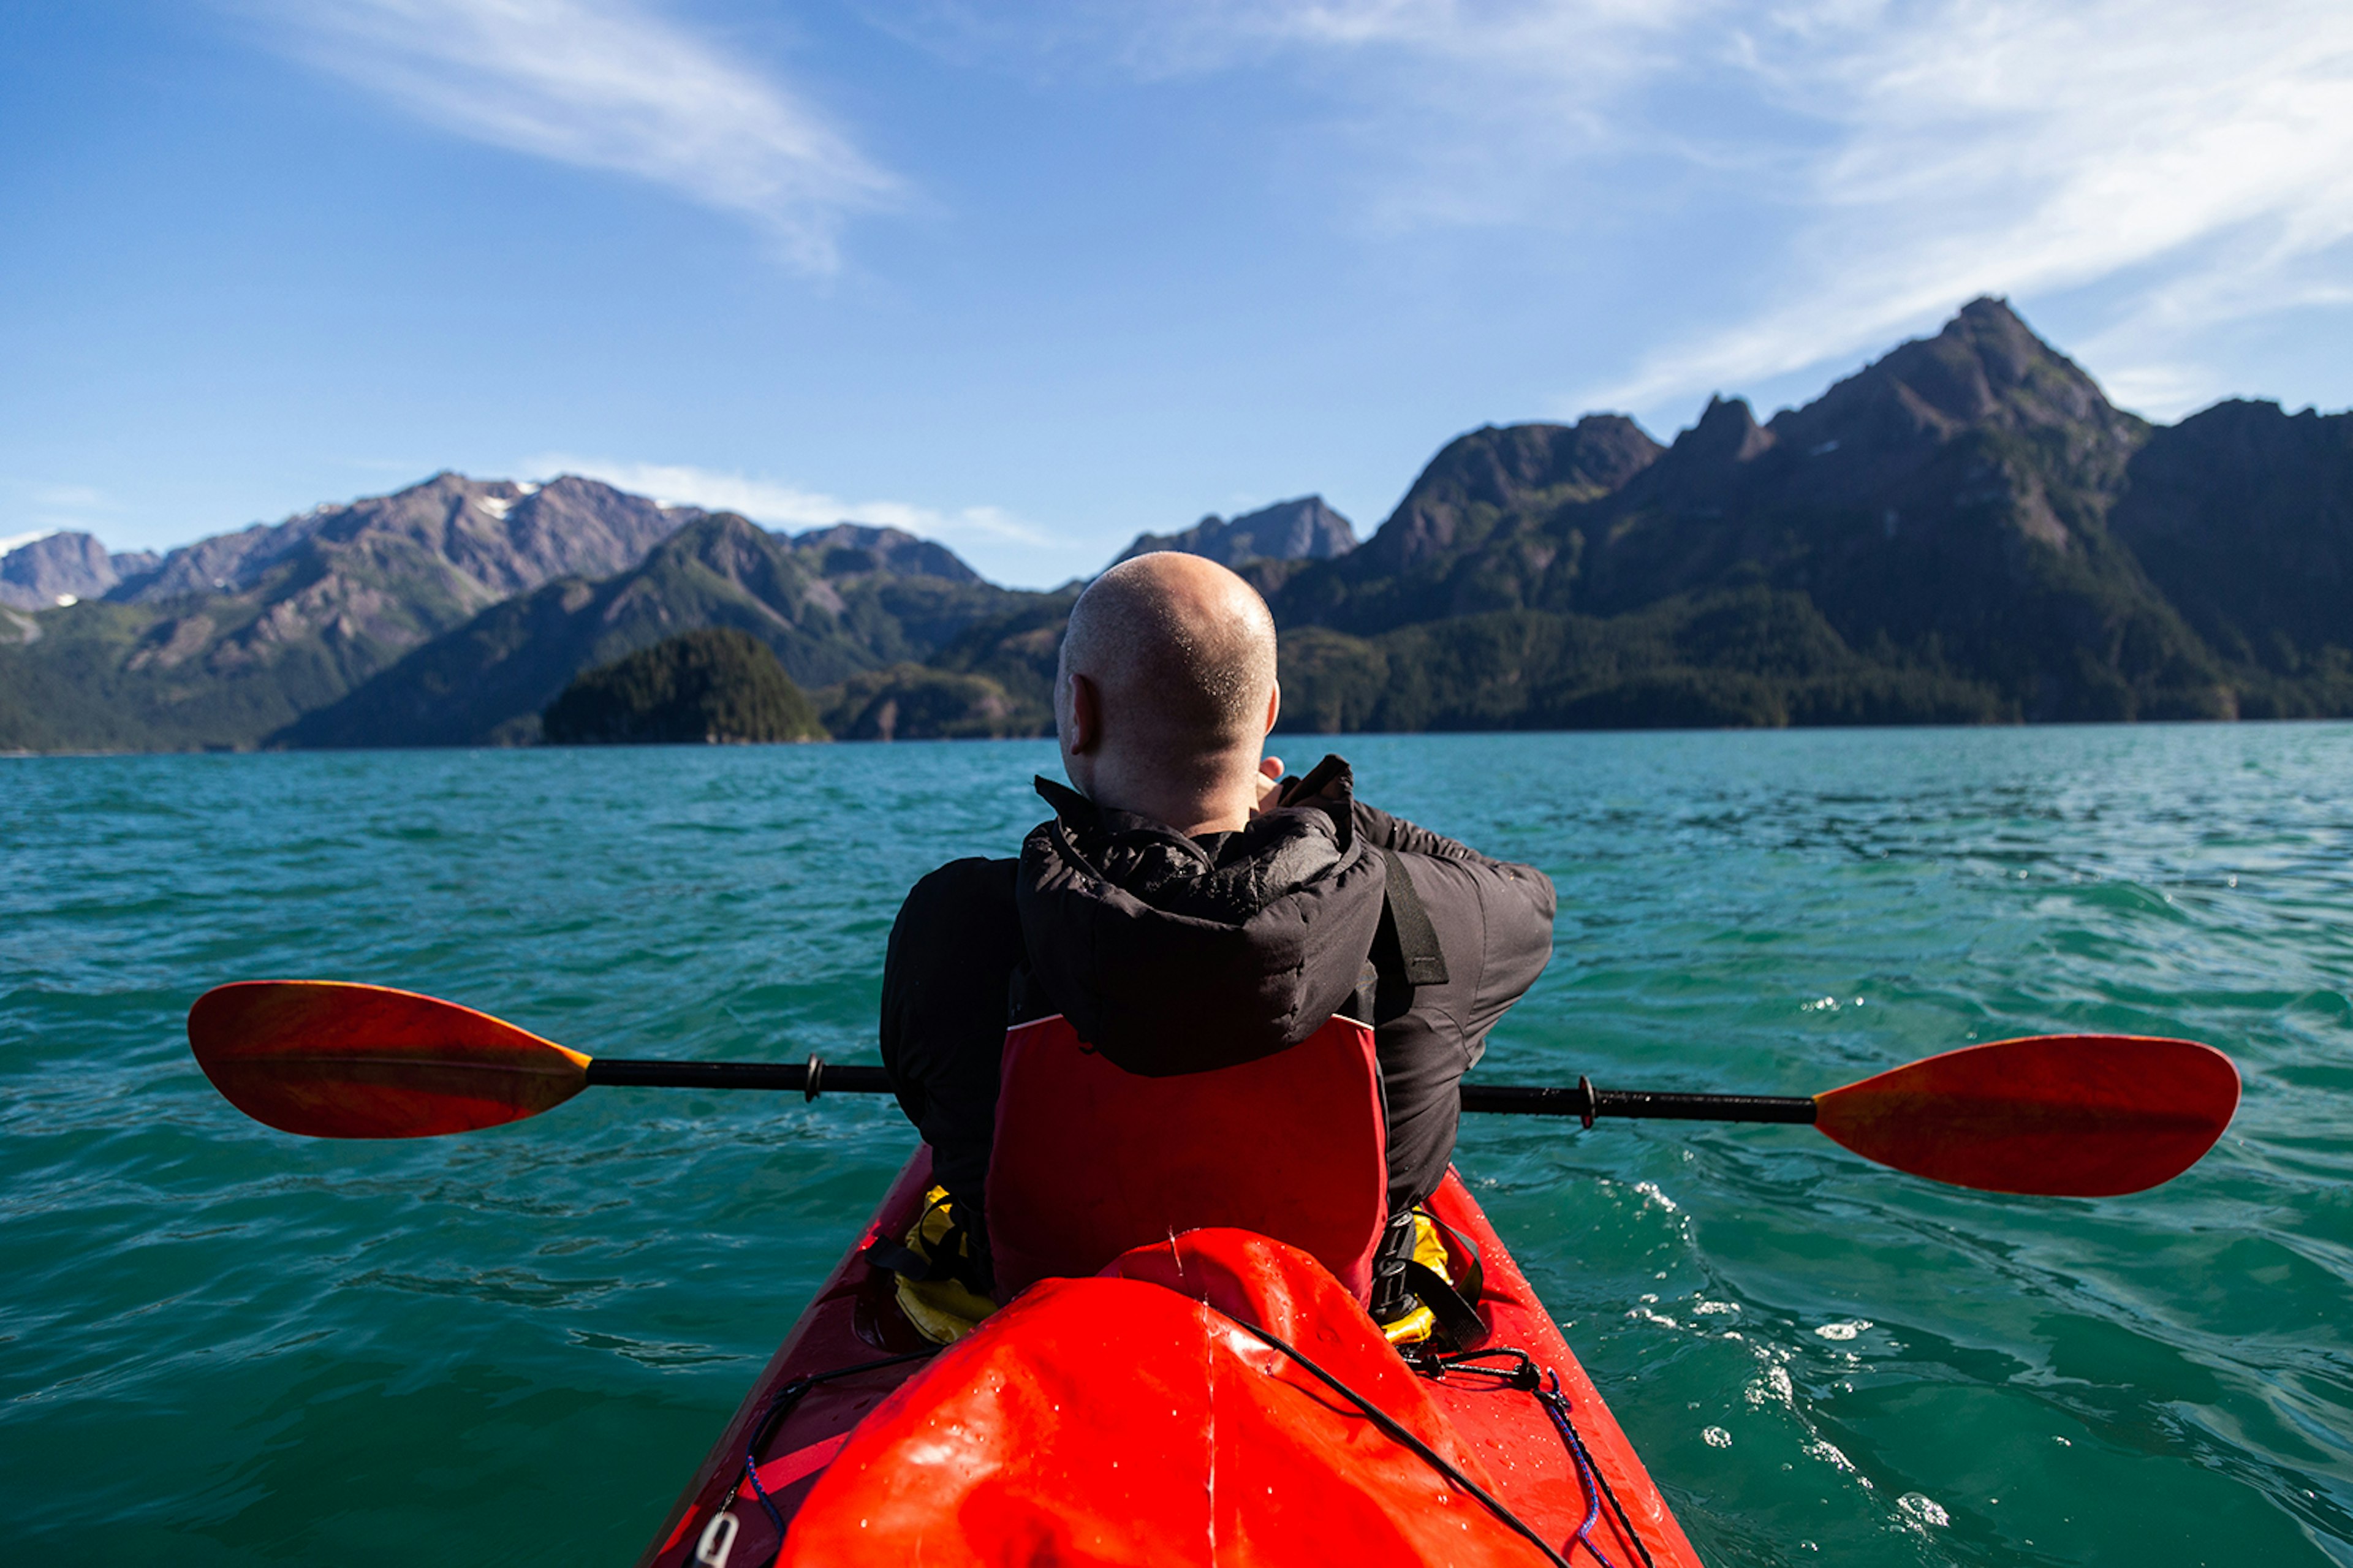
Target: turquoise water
[{"x": 222, "y": 1344}]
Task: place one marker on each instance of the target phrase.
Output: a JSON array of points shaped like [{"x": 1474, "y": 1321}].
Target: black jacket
[{"x": 1172, "y": 954}]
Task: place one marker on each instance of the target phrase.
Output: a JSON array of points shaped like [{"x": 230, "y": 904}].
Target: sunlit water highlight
[{"x": 220, "y": 1345}]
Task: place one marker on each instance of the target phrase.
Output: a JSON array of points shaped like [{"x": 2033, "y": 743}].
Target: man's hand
[{"x": 1270, "y": 774}]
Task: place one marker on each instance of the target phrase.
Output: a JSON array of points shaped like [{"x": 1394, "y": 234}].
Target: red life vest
[{"x": 1090, "y": 1160}]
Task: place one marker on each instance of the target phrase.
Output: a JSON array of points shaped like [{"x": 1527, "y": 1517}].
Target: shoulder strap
[{"x": 1422, "y": 960}]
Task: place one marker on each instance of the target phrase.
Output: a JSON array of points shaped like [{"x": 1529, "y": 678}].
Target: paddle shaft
[
  {"x": 811, "y": 1077},
  {"x": 814, "y": 1076},
  {"x": 1585, "y": 1102}
]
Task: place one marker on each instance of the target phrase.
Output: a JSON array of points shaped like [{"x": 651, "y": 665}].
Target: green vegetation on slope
[
  {"x": 914, "y": 702},
  {"x": 110, "y": 676},
  {"x": 1744, "y": 656},
  {"x": 713, "y": 685}
]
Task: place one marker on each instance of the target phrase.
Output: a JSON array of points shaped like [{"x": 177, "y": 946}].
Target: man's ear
[
  {"x": 1086, "y": 715},
  {"x": 1274, "y": 706}
]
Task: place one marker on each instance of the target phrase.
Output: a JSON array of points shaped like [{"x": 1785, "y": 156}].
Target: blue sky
[{"x": 1032, "y": 278}]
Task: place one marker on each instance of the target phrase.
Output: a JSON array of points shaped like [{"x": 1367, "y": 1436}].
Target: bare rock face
[
  {"x": 63, "y": 568},
  {"x": 504, "y": 538},
  {"x": 1306, "y": 529}
]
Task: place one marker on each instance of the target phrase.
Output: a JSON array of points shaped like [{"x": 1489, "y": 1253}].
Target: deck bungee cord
[
  {"x": 1523, "y": 1374},
  {"x": 1397, "y": 1430},
  {"x": 1545, "y": 1386}
]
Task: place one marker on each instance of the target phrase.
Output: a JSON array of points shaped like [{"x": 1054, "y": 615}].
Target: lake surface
[{"x": 222, "y": 1344}]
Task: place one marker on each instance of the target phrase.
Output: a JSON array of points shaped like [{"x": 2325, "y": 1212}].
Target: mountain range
[{"x": 1965, "y": 530}]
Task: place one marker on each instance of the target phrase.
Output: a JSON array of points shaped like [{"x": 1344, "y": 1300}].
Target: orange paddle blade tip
[
  {"x": 2062, "y": 1115},
  {"x": 329, "y": 1059}
]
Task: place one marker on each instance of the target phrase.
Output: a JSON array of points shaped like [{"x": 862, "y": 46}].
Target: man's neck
[{"x": 1194, "y": 813}]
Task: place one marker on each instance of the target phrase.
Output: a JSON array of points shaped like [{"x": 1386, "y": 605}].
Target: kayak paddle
[{"x": 2060, "y": 1115}]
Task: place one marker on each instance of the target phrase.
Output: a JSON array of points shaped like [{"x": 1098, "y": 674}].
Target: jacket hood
[{"x": 1173, "y": 954}]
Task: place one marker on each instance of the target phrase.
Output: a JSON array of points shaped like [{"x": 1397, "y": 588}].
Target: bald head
[{"x": 1175, "y": 657}]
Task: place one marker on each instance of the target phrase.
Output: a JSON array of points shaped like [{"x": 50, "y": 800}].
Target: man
[{"x": 1184, "y": 912}]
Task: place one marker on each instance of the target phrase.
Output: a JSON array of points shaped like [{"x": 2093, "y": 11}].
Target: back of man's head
[{"x": 1180, "y": 653}]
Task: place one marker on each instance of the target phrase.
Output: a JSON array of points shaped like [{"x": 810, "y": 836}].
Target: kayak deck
[{"x": 791, "y": 1429}]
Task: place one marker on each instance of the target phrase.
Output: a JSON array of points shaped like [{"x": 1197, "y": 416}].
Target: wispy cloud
[
  {"x": 789, "y": 506},
  {"x": 603, "y": 84},
  {"x": 2192, "y": 162},
  {"x": 2203, "y": 157}
]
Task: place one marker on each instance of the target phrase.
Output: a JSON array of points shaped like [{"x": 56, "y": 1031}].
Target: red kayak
[{"x": 861, "y": 1442}]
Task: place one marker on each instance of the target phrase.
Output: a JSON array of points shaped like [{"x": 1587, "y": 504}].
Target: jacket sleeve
[
  {"x": 945, "y": 985},
  {"x": 1493, "y": 920},
  {"x": 1386, "y": 832}
]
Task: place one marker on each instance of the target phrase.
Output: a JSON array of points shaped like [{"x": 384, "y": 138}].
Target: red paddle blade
[
  {"x": 334, "y": 1060},
  {"x": 2085, "y": 1116}
]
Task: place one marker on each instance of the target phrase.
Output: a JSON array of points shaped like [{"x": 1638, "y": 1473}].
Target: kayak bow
[{"x": 853, "y": 1371}]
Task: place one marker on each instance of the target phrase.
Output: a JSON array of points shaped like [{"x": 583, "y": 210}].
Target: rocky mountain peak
[
  {"x": 2004, "y": 344},
  {"x": 60, "y": 568},
  {"x": 1727, "y": 432},
  {"x": 1985, "y": 369},
  {"x": 1306, "y": 529},
  {"x": 1503, "y": 469}
]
